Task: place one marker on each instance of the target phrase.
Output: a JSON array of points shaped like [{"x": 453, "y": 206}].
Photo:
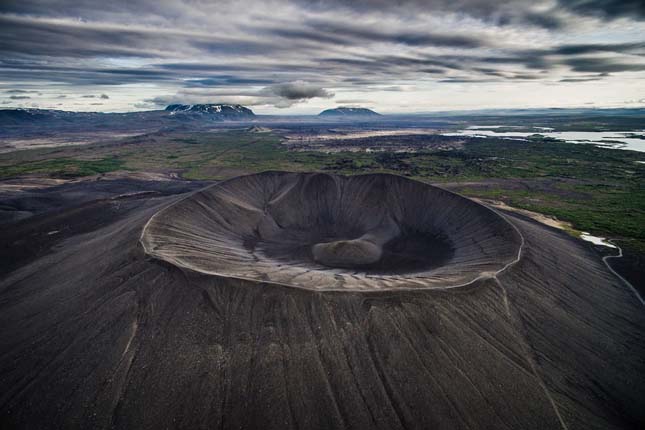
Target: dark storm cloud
[
  {"x": 579, "y": 49},
  {"x": 602, "y": 65},
  {"x": 299, "y": 91},
  {"x": 346, "y": 32},
  {"x": 606, "y": 8},
  {"x": 37, "y": 70},
  {"x": 389, "y": 63},
  {"x": 508, "y": 12},
  {"x": 38, "y": 37},
  {"x": 152, "y": 74},
  {"x": 432, "y": 71},
  {"x": 185, "y": 74},
  {"x": 489, "y": 72},
  {"x": 550, "y": 59},
  {"x": 503, "y": 12},
  {"x": 225, "y": 80},
  {"x": 202, "y": 67},
  {"x": 236, "y": 47},
  {"x": 280, "y": 95},
  {"x": 73, "y": 39},
  {"x": 545, "y": 20},
  {"x": 535, "y": 61},
  {"x": 306, "y": 34}
]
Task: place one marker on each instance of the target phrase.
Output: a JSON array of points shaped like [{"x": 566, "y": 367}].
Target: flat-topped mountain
[
  {"x": 222, "y": 110},
  {"x": 348, "y": 111}
]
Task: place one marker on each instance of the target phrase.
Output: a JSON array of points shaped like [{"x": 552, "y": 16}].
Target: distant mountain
[
  {"x": 20, "y": 122},
  {"x": 21, "y": 116},
  {"x": 30, "y": 122},
  {"x": 348, "y": 112},
  {"x": 219, "y": 111}
]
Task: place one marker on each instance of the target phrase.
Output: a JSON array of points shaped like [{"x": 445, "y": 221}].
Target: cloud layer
[{"x": 303, "y": 54}]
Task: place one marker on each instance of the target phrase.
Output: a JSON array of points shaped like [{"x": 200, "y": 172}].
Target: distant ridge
[
  {"x": 224, "y": 111},
  {"x": 20, "y": 121},
  {"x": 348, "y": 112}
]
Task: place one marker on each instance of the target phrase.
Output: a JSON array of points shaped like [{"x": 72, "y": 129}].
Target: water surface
[{"x": 605, "y": 139}]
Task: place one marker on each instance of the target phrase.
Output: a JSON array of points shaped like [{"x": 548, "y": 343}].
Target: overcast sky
[{"x": 298, "y": 57}]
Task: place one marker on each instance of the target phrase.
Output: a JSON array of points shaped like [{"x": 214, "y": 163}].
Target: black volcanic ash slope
[
  {"x": 348, "y": 112},
  {"x": 99, "y": 335}
]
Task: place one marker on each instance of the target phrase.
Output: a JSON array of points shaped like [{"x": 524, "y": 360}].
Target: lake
[{"x": 598, "y": 138}]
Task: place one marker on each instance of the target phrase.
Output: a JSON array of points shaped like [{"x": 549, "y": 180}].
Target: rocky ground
[{"x": 95, "y": 334}]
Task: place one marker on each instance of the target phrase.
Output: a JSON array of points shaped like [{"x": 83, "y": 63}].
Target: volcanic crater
[{"x": 329, "y": 232}]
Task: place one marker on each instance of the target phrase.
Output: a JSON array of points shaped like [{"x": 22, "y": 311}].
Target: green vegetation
[
  {"x": 596, "y": 189},
  {"x": 63, "y": 167},
  {"x": 607, "y": 211}
]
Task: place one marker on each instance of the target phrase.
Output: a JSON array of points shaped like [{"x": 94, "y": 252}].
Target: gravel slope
[{"x": 95, "y": 334}]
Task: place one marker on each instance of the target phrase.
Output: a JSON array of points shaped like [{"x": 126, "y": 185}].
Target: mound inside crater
[{"x": 328, "y": 232}]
